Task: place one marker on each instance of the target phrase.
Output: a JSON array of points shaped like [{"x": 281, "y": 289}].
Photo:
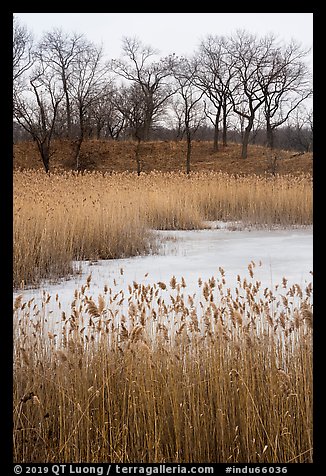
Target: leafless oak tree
[
  {"x": 285, "y": 84},
  {"x": 250, "y": 56},
  {"x": 185, "y": 71},
  {"x": 22, "y": 50},
  {"x": 64, "y": 88},
  {"x": 60, "y": 51},
  {"x": 106, "y": 117},
  {"x": 88, "y": 83},
  {"x": 149, "y": 77},
  {"x": 37, "y": 108},
  {"x": 215, "y": 72}
]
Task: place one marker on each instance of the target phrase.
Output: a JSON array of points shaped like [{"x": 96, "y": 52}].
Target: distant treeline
[{"x": 240, "y": 87}]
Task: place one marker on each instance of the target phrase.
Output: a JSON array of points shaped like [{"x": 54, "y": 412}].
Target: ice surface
[{"x": 192, "y": 254}]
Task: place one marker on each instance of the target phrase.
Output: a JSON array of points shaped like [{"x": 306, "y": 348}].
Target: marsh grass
[
  {"x": 62, "y": 217},
  {"x": 155, "y": 374}
]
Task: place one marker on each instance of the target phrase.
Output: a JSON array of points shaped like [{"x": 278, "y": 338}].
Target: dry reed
[
  {"x": 154, "y": 374},
  {"x": 67, "y": 216}
]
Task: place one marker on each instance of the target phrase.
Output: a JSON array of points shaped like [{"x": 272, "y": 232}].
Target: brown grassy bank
[{"x": 165, "y": 156}]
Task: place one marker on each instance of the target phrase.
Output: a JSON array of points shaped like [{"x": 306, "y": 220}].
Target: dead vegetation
[
  {"x": 166, "y": 156},
  {"x": 67, "y": 216},
  {"x": 155, "y": 374}
]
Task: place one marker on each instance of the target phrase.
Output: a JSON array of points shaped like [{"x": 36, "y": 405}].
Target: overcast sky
[{"x": 178, "y": 33}]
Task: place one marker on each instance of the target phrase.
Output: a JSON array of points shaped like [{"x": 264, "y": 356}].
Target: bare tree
[
  {"x": 285, "y": 84},
  {"x": 215, "y": 71},
  {"x": 129, "y": 102},
  {"x": 107, "y": 119},
  {"x": 249, "y": 55},
  {"x": 22, "y": 50},
  {"x": 61, "y": 52},
  {"x": 88, "y": 83},
  {"x": 36, "y": 109},
  {"x": 150, "y": 78},
  {"x": 176, "y": 118},
  {"x": 185, "y": 71},
  {"x": 300, "y": 133}
]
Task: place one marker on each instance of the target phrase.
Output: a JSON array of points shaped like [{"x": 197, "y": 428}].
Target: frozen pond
[{"x": 192, "y": 254}]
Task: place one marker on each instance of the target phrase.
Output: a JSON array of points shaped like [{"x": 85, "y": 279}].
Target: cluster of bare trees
[{"x": 64, "y": 87}]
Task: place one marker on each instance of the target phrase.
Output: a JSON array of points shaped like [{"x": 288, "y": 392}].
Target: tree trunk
[
  {"x": 216, "y": 134},
  {"x": 224, "y": 130},
  {"x": 269, "y": 135},
  {"x": 245, "y": 141},
  {"x": 188, "y": 150},
  {"x": 68, "y": 107},
  {"x": 137, "y": 156},
  {"x": 79, "y": 141},
  {"x": 77, "y": 145},
  {"x": 46, "y": 163},
  {"x": 216, "y": 129},
  {"x": 45, "y": 155},
  {"x": 146, "y": 132},
  {"x": 147, "y": 124},
  {"x": 68, "y": 110}
]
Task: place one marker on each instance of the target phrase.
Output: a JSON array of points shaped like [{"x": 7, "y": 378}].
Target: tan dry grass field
[
  {"x": 155, "y": 374},
  {"x": 67, "y": 216}
]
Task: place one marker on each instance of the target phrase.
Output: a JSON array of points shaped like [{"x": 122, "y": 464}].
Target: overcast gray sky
[{"x": 177, "y": 33}]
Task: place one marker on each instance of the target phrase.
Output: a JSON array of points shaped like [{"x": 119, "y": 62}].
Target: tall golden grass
[
  {"x": 63, "y": 217},
  {"x": 155, "y": 374}
]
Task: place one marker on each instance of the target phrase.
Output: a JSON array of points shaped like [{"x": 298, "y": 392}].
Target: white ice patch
[{"x": 192, "y": 254}]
